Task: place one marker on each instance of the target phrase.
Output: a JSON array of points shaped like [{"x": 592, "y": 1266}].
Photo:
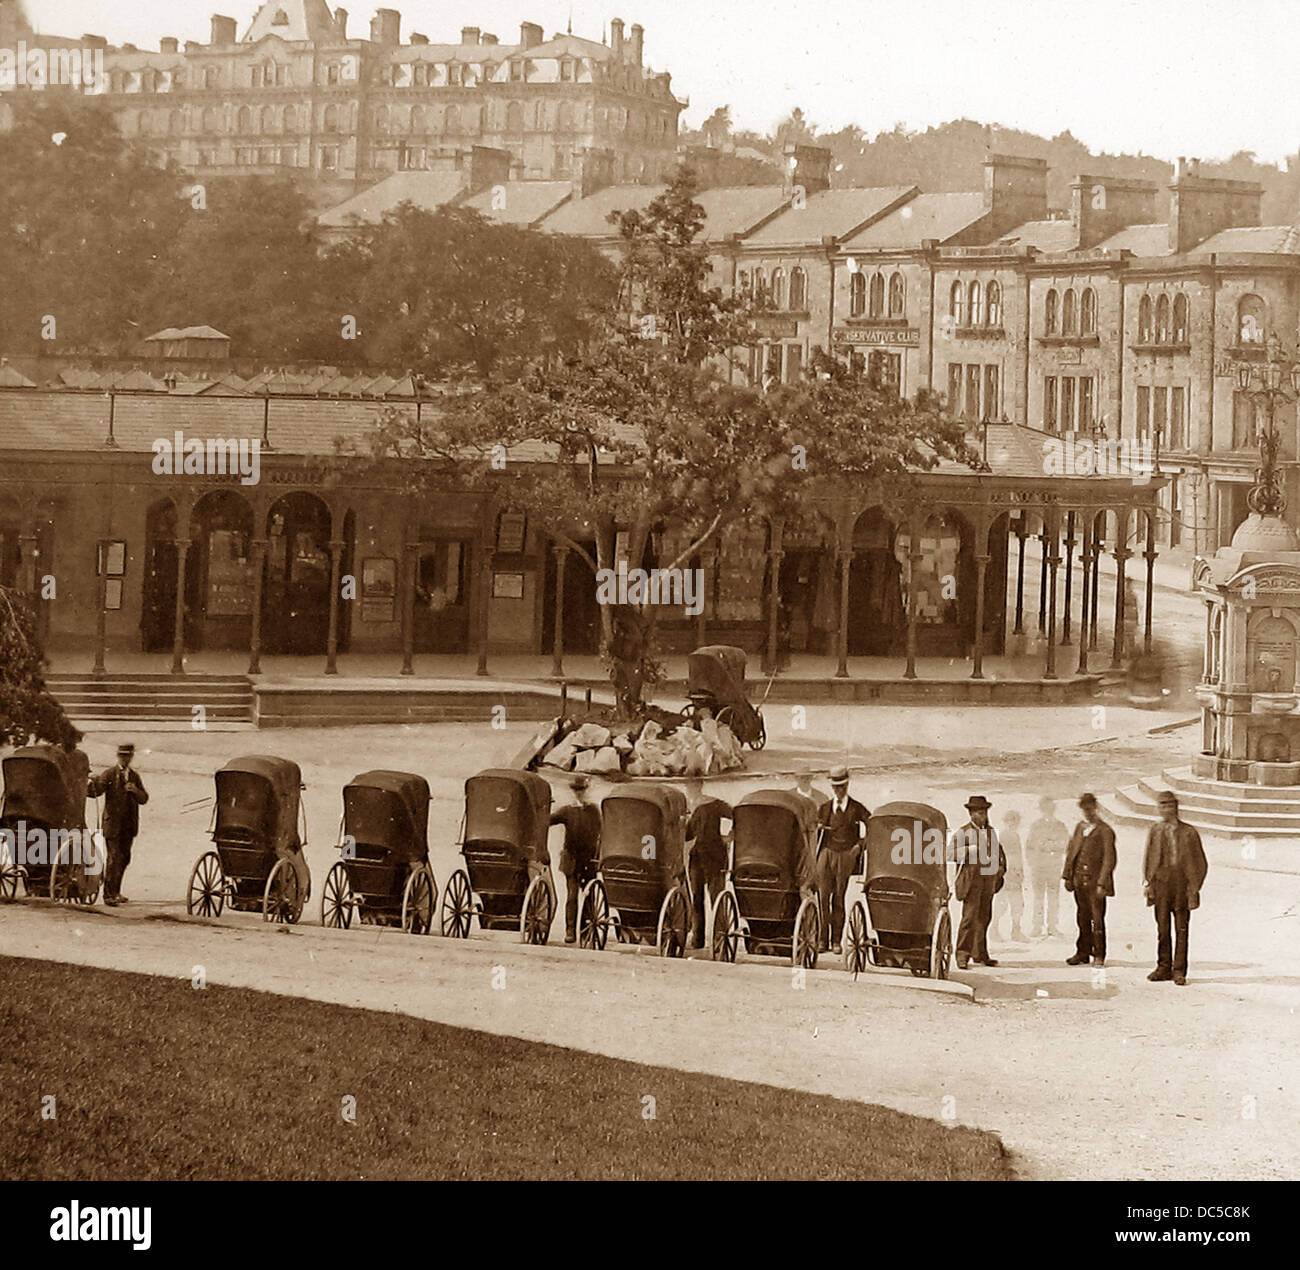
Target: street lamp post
[{"x": 1267, "y": 381}]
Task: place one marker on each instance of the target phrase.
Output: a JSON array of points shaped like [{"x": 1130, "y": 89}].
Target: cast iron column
[
  {"x": 557, "y": 644},
  {"x": 255, "y": 634},
  {"x": 332, "y": 641},
  {"x": 178, "y": 631}
]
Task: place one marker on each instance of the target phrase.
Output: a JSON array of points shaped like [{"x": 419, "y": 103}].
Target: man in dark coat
[
  {"x": 707, "y": 845},
  {"x": 123, "y": 793},
  {"x": 841, "y": 830},
  {"x": 1090, "y": 873},
  {"x": 1173, "y": 872},
  {"x": 580, "y": 852},
  {"x": 981, "y": 869}
]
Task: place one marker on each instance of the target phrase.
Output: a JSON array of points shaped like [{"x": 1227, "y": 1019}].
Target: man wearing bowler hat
[
  {"x": 841, "y": 830},
  {"x": 981, "y": 868},
  {"x": 1173, "y": 872},
  {"x": 1090, "y": 874},
  {"x": 123, "y": 793}
]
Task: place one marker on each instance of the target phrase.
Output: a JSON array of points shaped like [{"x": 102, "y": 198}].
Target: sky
[{"x": 1201, "y": 78}]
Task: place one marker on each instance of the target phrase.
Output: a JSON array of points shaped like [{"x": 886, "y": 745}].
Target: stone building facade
[{"x": 298, "y": 91}]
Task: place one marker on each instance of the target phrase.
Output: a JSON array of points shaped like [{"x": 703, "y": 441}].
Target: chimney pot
[
  {"x": 168, "y": 44},
  {"x": 386, "y": 27},
  {"x": 637, "y": 42},
  {"x": 616, "y": 36},
  {"x": 530, "y": 34},
  {"x": 341, "y": 23}
]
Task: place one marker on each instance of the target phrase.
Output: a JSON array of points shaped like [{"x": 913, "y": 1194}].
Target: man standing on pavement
[
  {"x": 842, "y": 829},
  {"x": 1173, "y": 872},
  {"x": 1090, "y": 873},
  {"x": 981, "y": 868},
  {"x": 581, "y": 850},
  {"x": 803, "y": 784},
  {"x": 1045, "y": 857},
  {"x": 1012, "y": 898},
  {"x": 123, "y": 793},
  {"x": 707, "y": 847}
]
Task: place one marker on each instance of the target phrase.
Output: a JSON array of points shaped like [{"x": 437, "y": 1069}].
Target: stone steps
[
  {"x": 1219, "y": 807},
  {"x": 223, "y": 698}
]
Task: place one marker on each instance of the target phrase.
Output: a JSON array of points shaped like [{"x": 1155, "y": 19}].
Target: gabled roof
[
  {"x": 11, "y": 378},
  {"x": 524, "y": 202},
  {"x": 589, "y": 217},
  {"x": 187, "y": 333},
  {"x": 1141, "y": 240},
  {"x": 302, "y": 20},
  {"x": 1263, "y": 238},
  {"x": 938, "y": 216},
  {"x": 738, "y": 209},
  {"x": 830, "y": 213},
  {"x": 429, "y": 190},
  {"x": 1045, "y": 235}
]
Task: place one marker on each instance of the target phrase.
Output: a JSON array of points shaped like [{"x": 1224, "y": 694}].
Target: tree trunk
[{"x": 633, "y": 667}]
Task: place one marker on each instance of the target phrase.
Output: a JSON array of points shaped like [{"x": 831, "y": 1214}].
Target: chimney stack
[
  {"x": 487, "y": 167},
  {"x": 530, "y": 34},
  {"x": 95, "y": 41},
  {"x": 341, "y": 23},
  {"x": 419, "y": 40},
  {"x": 486, "y": 38},
  {"x": 469, "y": 35},
  {"x": 1015, "y": 191},
  {"x": 169, "y": 44},
  {"x": 1200, "y": 206},
  {"x": 637, "y": 42},
  {"x": 808, "y": 167},
  {"x": 386, "y": 27},
  {"x": 223, "y": 30},
  {"x": 1103, "y": 205},
  {"x": 616, "y": 37}
]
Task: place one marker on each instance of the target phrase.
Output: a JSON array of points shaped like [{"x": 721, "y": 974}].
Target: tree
[
  {"x": 448, "y": 292},
  {"x": 27, "y": 710},
  {"x": 642, "y": 433}
]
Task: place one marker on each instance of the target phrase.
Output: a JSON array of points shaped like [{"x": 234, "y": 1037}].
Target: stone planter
[{"x": 1274, "y": 774}]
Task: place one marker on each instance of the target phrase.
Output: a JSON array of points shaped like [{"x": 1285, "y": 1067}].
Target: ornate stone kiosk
[{"x": 1250, "y": 710}]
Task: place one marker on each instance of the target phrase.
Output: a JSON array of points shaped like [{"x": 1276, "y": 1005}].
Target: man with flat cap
[
  {"x": 123, "y": 793},
  {"x": 841, "y": 831},
  {"x": 1090, "y": 873},
  {"x": 981, "y": 868},
  {"x": 581, "y": 850},
  {"x": 1173, "y": 872}
]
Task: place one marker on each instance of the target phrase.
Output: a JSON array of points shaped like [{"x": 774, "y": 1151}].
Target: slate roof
[
  {"x": 828, "y": 213},
  {"x": 1046, "y": 235},
  {"x": 525, "y": 202},
  {"x": 926, "y": 216},
  {"x": 588, "y": 217},
  {"x": 429, "y": 190},
  {"x": 1262, "y": 238},
  {"x": 1141, "y": 240}
]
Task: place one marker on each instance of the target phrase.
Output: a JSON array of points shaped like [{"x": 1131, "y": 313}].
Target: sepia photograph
[{"x": 698, "y": 593}]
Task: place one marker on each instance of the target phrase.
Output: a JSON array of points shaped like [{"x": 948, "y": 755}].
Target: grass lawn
[{"x": 156, "y": 1080}]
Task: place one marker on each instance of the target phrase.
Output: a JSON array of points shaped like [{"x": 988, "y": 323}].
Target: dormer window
[
  {"x": 332, "y": 72},
  {"x": 455, "y": 74},
  {"x": 516, "y": 72},
  {"x": 566, "y": 68},
  {"x": 281, "y": 18}
]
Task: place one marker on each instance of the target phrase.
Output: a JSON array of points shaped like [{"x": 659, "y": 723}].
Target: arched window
[
  {"x": 744, "y": 284},
  {"x": 957, "y": 304},
  {"x": 331, "y": 120},
  {"x": 1069, "y": 313},
  {"x": 975, "y": 304},
  {"x": 381, "y": 119},
  {"x": 514, "y": 117},
  {"x": 211, "y": 120},
  {"x": 778, "y": 288},
  {"x": 1088, "y": 312},
  {"x": 245, "y": 122},
  {"x": 144, "y": 125},
  {"x": 564, "y": 117},
  {"x": 993, "y": 305},
  {"x": 419, "y": 123},
  {"x": 857, "y": 294},
  {"x": 1162, "y": 320},
  {"x": 1251, "y": 320},
  {"x": 268, "y": 119},
  {"x": 176, "y": 124},
  {"x": 452, "y": 121},
  {"x": 1144, "y": 320},
  {"x": 877, "y": 295},
  {"x": 897, "y": 294},
  {"x": 798, "y": 289},
  {"x": 211, "y": 78},
  {"x": 1180, "y": 318},
  {"x": 1050, "y": 312}
]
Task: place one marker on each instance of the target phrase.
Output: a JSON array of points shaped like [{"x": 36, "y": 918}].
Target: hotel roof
[
  {"x": 1045, "y": 235},
  {"x": 1141, "y": 240},
  {"x": 521, "y": 202},
  {"x": 428, "y": 190}
]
